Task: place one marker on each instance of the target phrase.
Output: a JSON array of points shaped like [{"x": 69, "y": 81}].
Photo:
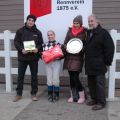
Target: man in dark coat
[
  {"x": 28, "y": 56},
  {"x": 98, "y": 55}
]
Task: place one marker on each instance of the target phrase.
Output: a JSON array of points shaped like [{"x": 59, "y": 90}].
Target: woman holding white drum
[{"x": 73, "y": 62}]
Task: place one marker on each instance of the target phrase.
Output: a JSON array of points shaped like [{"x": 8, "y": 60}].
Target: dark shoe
[
  {"x": 98, "y": 107},
  {"x": 17, "y": 98},
  {"x": 34, "y": 98},
  {"x": 90, "y": 103},
  {"x": 50, "y": 95},
  {"x": 56, "y": 96},
  {"x": 50, "y": 98}
]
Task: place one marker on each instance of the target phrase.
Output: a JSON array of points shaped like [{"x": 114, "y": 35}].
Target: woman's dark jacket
[
  {"x": 99, "y": 51},
  {"x": 74, "y": 62},
  {"x": 28, "y": 34}
]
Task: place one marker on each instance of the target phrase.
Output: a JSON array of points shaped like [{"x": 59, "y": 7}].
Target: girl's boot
[
  {"x": 50, "y": 93},
  {"x": 81, "y": 97},
  {"x": 56, "y": 93},
  {"x": 70, "y": 100}
]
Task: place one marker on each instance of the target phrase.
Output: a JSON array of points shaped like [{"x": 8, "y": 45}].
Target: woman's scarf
[{"x": 75, "y": 31}]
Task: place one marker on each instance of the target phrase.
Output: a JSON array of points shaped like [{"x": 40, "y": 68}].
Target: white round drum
[{"x": 74, "y": 46}]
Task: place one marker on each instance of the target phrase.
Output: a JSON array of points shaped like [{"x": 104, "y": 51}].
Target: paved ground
[{"x": 25, "y": 109}]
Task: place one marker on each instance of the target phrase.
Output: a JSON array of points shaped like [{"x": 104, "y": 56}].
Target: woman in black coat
[{"x": 74, "y": 62}]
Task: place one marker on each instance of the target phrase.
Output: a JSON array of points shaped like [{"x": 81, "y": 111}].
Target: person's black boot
[
  {"x": 56, "y": 96},
  {"x": 56, "y": 93},
  {"x": 50, "y": 93},
  {"x": 50, "y": 96},
  {"x": 75, "y": 94}
]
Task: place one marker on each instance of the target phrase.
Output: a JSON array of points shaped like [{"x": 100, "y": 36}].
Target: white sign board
[{"x": 61, "y": 16}]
